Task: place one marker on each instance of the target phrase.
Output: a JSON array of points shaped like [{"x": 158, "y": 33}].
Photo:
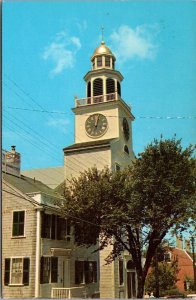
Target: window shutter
[
  {"x": 86, "y": 272},
  {"x": 54, "y": 269},
  {"x": 77, "y": 270},
  {"x": 43, "y": 232},
  {"x": 7, "y": 271},
  {"x": 95, "y": 271},
  {"x": 53, "y": 227},
  {"x": 41, "y": 269},
  {"x": 26, "y": 266},
  {"x": 58, "y": 236}
]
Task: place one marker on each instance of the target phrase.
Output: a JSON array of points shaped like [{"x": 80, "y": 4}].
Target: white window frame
[{"x": 11, "y": 270}]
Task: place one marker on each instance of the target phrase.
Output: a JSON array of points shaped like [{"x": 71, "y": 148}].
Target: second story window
[
  {"x": 55, "y": 228},
  {"x": 18, "y": 223}
]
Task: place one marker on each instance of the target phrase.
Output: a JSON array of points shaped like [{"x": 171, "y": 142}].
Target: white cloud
[
  {"x": 129, "y": 43},
  {"x": 82, "y": 25},
  {"x": 61, "y": 125},
  {"x": 58, "y": 122},
  {"x": 62, "y": 52}
]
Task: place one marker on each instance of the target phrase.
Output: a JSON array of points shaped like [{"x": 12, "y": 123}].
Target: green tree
[
  {"x": 167, "y": 275},
  {"x": 135, "y": 208}
]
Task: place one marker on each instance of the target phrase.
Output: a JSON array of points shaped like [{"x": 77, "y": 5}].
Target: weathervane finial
[{"x": 102, "y": 33}]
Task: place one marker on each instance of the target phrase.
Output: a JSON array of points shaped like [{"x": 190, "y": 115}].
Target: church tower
[
  {"x": 103, "y": 137},
  {"x": 103, "y": 120}
]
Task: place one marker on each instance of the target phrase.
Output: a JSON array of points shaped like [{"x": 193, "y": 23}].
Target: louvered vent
[
  {"x": 110, "y": 86},
  {"x": 118, "y": 88},
  {"x": 98, "y": 87}
]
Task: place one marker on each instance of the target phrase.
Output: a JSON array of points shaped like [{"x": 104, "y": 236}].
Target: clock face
[
  {"x": 96, "y": 125},
  {"x": 125, "y": 126}
]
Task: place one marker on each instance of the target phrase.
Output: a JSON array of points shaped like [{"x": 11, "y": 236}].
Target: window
[
  {"x": 120, "y": 270},
  {"x": 18, "y": 223},
  {"x": 117, "y": 167},
  {"x": 99, "y": 61},
  {"x": 54, "y": 227},
  {"x": 126, "y": 149},
  {"x": 107, "y": 61},
  {"x": 63, "y": 229},
  {"x": 167, "y": 257},
  {"x": 49, "y": 269},
  {"x": 17, "y": 271},
  {"x": 113, "y": 65},
  {"x": 85, "y": 271}
]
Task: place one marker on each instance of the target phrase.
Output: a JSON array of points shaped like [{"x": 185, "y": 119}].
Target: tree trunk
[{"x": 140, "y": 284}]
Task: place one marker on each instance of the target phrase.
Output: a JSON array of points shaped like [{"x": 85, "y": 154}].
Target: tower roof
[{"x": 101, "y": 50}]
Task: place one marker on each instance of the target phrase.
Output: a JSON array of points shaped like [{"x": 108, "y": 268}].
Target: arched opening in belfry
[
  {"x": 89, "y": 89},
  {"x": 110, "y": 86},
  {"x": 97, "y": 87},
  {"x": 118, "y": 88}
]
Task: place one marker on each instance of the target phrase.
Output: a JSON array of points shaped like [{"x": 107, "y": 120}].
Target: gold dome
[{"x": 102, "y": 49}]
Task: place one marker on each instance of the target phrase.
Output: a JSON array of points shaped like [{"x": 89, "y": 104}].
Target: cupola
[
  {"x": 103, "y": 82},
  {"x": 103, "y": 58}
]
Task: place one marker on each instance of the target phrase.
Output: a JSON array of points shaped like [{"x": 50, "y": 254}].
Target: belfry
[{"x": 103, "y": 120}]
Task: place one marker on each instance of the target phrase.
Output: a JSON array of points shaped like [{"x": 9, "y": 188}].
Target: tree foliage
[
  {"x": 167, "y": 273},
  {"x": 133, "y": 209}
]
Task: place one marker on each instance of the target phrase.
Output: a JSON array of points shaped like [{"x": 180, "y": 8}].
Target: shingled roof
[
  {"x": 27, "y": 185},
  {"x": 86, "y": 145}
]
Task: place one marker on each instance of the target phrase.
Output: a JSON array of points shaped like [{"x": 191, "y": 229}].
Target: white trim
[
  {"x": 10, "y": 270},
  {"x": 37, "y": 256}
]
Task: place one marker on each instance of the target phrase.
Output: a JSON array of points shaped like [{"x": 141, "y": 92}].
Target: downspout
[{"x": 37, "y": 256}]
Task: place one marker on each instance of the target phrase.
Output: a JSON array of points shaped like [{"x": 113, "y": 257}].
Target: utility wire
[
  {"x": 108, "y": 116},
  {"x": 32, "y": 99}
]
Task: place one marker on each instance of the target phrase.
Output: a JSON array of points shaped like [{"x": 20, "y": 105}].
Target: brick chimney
[{"x": 11, "y": 161}]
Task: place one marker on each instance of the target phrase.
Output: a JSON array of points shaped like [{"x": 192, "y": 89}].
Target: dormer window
[
  {"x": 99, "y": 61},
  {"x": 107, "y": 61}
]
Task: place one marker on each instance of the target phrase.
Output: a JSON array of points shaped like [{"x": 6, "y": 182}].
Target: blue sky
[{"x": 46, "y": 52}]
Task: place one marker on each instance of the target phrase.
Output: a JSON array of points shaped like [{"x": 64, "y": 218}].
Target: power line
[
  {"x": 41, "y": 140},
  {"x": 32, "y": 99},
  {"x": 108, "y": 116}
]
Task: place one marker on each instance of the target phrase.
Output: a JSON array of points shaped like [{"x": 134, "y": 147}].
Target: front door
[{"x": 131, "y": 284}]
